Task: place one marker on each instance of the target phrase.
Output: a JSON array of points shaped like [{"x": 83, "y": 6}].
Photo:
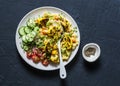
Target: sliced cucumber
[
  {"x": 29, "y": 38},
  {"x": 24, "y": 38},
  {"x": 29, "y": 35},
  {"x": 27, "y": 30},
  {"x": 31, "y": 23},
  {"x": 21, "y": 31},
  {"x": 25, "y": 48},
  {"x": 36, "y": 29},
  {"x": 33, "y": 33}
]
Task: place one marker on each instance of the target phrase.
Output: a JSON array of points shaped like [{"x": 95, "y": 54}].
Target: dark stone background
[{"x": 98, "y": 21}]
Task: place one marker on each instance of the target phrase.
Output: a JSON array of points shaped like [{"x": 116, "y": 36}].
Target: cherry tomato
[
  {"x": 45, "y": 62},
  {"x": 42, "y": 58},
  {"x": 39, "y": 54},
  {"x": 35, "y": 59},
  {"x": 29, "y": 55},
  {"x": 35, "y": 50}
]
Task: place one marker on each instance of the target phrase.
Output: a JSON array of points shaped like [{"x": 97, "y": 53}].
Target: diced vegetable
[
  {"x": 54, "y": 52},
  {"x": 54, "y": 58}
]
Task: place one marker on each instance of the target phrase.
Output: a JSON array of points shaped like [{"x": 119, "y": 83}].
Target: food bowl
[{"x": 91, "y": 52}]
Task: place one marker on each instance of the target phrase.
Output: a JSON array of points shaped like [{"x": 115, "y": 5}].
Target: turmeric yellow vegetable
[{"x": 54, "y": 52}]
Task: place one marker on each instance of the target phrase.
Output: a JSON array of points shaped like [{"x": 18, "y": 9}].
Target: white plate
[{"x": 34, "y": 13}]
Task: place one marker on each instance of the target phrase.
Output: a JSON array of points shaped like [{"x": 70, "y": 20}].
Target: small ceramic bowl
[{"x": 94, "y": 57}]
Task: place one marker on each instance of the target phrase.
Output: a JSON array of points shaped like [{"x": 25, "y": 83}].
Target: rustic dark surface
[{"x": 98, "y": 21}]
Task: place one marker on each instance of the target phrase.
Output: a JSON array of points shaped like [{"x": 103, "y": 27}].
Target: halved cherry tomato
[
  {"x": 35, "y": 50},
  {"x": 29, "y": 55},
  {"x": 39, "y": 54},
  {"x": 42, "y": 58},
  {"x": 45, "y": 62},
  {"x": 35, "y": 59}
]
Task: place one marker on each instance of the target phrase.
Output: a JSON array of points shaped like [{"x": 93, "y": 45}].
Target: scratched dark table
[{"x": 98, "y": 21}]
